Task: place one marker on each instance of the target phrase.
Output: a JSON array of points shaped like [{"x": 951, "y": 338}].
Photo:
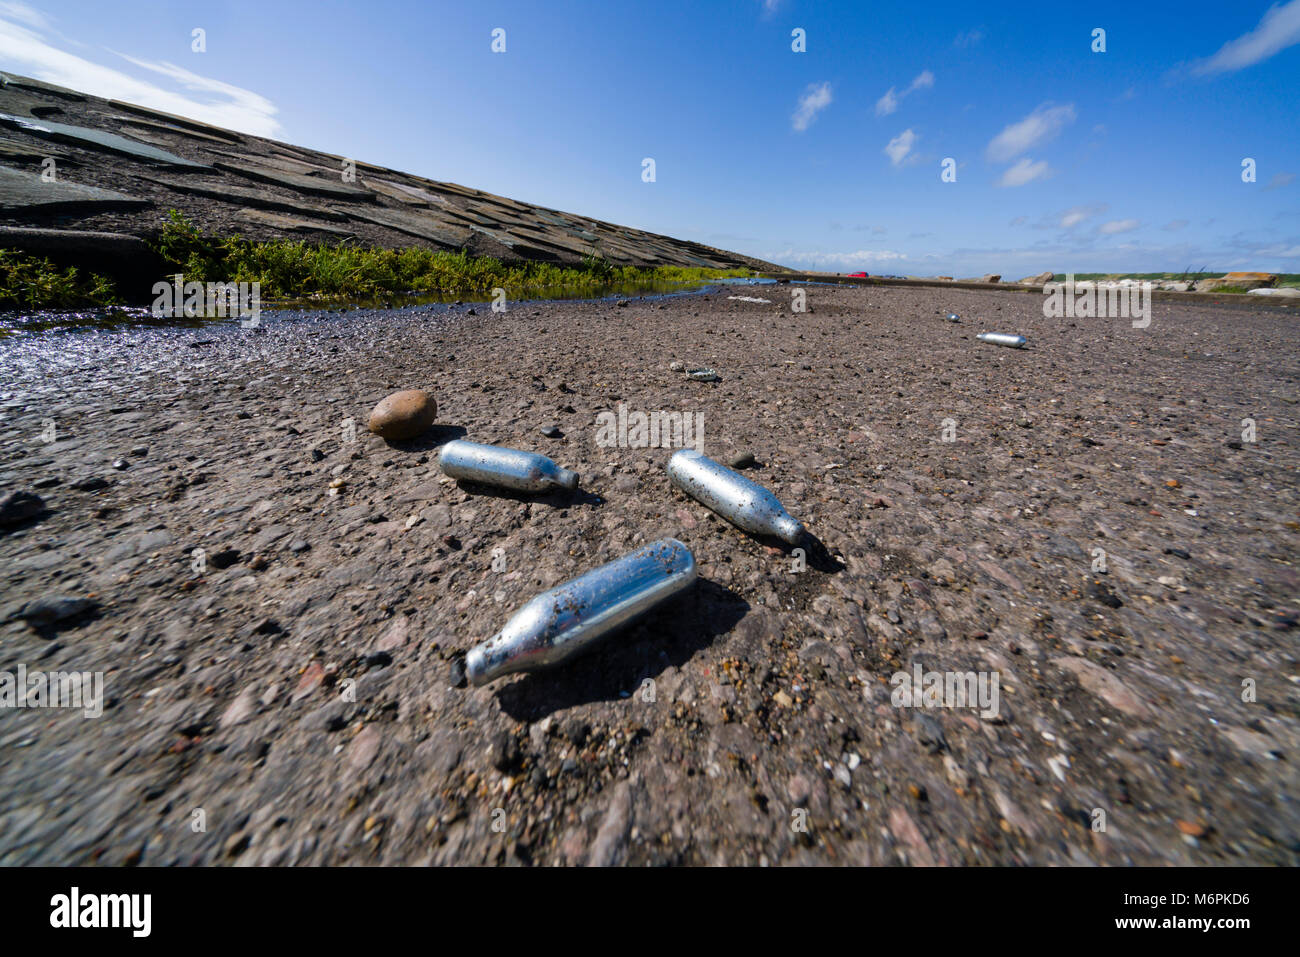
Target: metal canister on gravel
[
  {"x": 559, "y": 623},
  {"x": 505, "y": 468},
  {"x": 1003, "y": 339},
  {"x": 744, "y": 503}
]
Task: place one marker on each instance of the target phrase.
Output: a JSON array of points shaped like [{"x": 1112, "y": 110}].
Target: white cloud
[
  {"x": 968, "y": 39},
  {"x": 815, "y": 99},
  {"x": 1279, "y": 29},
  {"x": 1118, "y": 226},
  {"x": 1174, "y": 225},
  {"x": 24, "y": 14},
  {"x": 1073, "y": 217},
  {"x": 1038, "y": 127},
  {"x": 1279, "y": 251},
  {"x": 889, "y": 102},
  {"x": 26, "y": 51},
  {"x": 1279, "y": 180},
  {"x": 1025, "y": 171},
  {"x": 900, "y": 146},
  {"x": 861, "y": 257}
]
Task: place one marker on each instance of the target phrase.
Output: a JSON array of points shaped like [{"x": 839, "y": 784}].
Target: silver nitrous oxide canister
[
  {"x": 744, "y": 503},
  {"x": 504, "y": 468},
  {"x": 1003, "y": 339},
  {"x": 559, "y": 623}
]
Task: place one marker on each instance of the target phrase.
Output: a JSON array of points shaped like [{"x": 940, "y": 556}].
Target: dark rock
[
  {"x": 224, "y": 558},
  {"x": 18, "y": 506}
]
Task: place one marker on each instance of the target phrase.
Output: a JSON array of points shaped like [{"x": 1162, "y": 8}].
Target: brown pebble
[{"x": 403, "y": 415}]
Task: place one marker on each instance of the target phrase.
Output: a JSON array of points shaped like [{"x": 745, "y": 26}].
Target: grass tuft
[{"x": 33, "y": 282}]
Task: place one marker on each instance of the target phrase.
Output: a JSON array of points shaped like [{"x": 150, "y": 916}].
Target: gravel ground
[{"x": 297, "y": 697}]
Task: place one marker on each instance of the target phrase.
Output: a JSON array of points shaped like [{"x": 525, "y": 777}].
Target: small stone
[
  {"x": 311, "y": 679},
  {"x": 18, "y": 507},
  {"x": 54, "y": 609},
  {"x": 140, "y": 451},
  {"x": 1102, "y": 593},
  {"x": 704, "y": 375},
  {"x": 551, "y": 432},
  {"x": 456, "y": 674},
  {"x": 505, "y": 751},
  {"x": 403, "y": 415},
  {"x": 92, "y": 484},
  {"x": 676, "y": 366},
  {"x": 224, "y": 558},
  {"x": 783, "y": 699},
  {"x": 121, "y": 464},
  {"x": 1179, "y": 553},
  {"x": 744, "y": 460},
  {"x": 299, "y": 546},
  {"x": 316, "y": 455}
]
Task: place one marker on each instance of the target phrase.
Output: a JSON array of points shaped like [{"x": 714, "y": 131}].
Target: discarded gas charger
[
  {"x": 743, "y": 503},
  {"x": 559, "y": 623},
  {"x": 502, "y": 467},
  {"x": 1003, "y": 339}
]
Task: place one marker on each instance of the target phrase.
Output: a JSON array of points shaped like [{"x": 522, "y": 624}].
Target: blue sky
[{"x": 1065, "y": 158}]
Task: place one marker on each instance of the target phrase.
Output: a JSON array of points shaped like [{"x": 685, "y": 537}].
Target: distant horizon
[{"x": 824, "y": 143}]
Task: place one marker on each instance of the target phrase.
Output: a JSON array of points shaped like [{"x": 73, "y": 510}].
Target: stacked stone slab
[{"x": 118, "y": 168}]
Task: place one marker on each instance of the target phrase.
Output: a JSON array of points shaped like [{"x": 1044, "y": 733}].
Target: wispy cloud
[
  {"x": 815, "y": 99},
  {"x": 861, "y": 257},
  {"x": 889, "y": 102},
  {"x": 1174, "y": 225},
  {"x": 1118, "y": 226},
  {"x": 900, "y": 146},
  {"x": 1279, "y": 180},
  {"x": 24, "y": 14},
  {"x": 1036, "y": 128},
  {"x": 968, "y": 38},
  {"x": 1076, "y": 214},
  {"x": 1024, "y": 171},
  {"x": 1279, "y": 29},
  {"x": 25, "y": 48}
]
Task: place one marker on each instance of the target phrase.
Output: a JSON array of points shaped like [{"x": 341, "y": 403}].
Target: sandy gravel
[{"x": 307, "y": 697}]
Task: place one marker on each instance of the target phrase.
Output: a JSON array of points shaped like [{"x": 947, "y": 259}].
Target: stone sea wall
[{"x": 100, "y": 171}]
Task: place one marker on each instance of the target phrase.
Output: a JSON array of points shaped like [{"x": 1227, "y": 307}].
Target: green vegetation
[
  {"x": 33, "y": 282},
  {"x": 290, "y": 269}
]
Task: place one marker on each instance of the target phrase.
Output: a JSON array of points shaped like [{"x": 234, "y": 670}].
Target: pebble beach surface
[{"x": 294, "y": 692}]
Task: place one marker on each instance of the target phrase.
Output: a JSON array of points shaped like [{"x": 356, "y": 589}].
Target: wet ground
[{"x": 295, "y": 694}]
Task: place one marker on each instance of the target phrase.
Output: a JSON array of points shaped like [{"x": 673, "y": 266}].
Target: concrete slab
[
  {"x": 40, "y": 86},
  {"x": 144, "y": 125},
  {"x": 14, "y": 151},
  {"x": 229, "y": 135},
  {"x": 296, "y": 224},
  {"x": 96, "y": 139},
  {"x": 437, "y": 231},
  {"x": 241, "y": 195},
  {"x": 22, "y": 191},
  {"x": 317, "y": 186}
]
